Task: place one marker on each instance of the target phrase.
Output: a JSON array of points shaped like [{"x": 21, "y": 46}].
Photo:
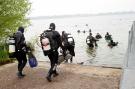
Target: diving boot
[
  {"x": 55, "y": 73},
  {"x": 49, "y": 78},
  {"x": 19, "y": 74}
]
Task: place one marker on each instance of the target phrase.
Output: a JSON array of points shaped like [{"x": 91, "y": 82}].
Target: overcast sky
[{"x": 67, "y": 7}]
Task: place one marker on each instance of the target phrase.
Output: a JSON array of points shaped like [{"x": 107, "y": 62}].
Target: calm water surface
[{"x": 117, "y": 25}]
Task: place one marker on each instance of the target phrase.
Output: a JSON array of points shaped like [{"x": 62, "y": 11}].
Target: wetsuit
[
  {"x": 20, "y": 51},
  {"x": 55, "y": 43},
  {"x": 68, "y": 46}
]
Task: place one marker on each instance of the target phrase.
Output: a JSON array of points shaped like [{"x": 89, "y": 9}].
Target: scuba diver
[
  {"x": 91, "y": 41},
  {"x": 89, "y": 30},
  {"x": 20, "y": 51},
  {"x": 51, "y": 41},
  {"x": 78, "y": 31},
  {"x": 84, "y": 31},
  {"x": 111, "y": 43},
  {"x": 86, "y": 24},
  {"x": 108, "y": 36},
  {"x": 68, "y": 45},
  {"x": 98, "y": 36}
]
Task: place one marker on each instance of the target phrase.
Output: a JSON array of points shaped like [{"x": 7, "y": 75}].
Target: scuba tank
[
  {"x": 70, "y": 39},
  {"x": 88, "y": 41},
  {"x": 46, "y": 44},
  {"x": 11, "y": 44}
]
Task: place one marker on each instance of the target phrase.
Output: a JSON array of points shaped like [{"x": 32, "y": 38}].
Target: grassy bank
[
  {"x": 4, "y": 59},
  {"x": 4, "y": 56}
]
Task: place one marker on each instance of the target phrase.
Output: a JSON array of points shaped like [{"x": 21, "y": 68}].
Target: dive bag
[{"x": 32, "y": 60}]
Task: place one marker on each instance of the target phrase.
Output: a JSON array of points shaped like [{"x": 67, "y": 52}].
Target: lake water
[{"x": 117, "y": 25}]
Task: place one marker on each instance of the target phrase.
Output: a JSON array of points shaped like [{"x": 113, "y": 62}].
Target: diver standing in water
[
  {"x": 112, "y": 43},
  {"x": 91, "y": 41},
  {"x": 98, "y": 36},
  {"x": 108, "y": 36}
]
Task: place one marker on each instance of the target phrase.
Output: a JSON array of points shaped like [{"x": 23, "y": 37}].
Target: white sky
[{"x": 67, "y": 7}]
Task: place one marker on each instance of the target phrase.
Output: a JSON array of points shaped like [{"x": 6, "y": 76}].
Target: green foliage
[
  {"x": 31, "y": 43},
  {"x": 12, "y": 15},
  {"x": 31, "y": 46},
  {"x": 3, "y": 56}
]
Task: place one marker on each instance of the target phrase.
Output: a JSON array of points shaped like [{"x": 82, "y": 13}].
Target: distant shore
[{"x": 80, "y": 15}]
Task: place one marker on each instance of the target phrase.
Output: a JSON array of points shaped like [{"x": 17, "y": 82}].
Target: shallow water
[{"x": 117, "y": 25}]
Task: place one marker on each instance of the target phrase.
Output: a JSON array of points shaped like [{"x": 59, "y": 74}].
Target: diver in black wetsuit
[
  {"x": 108, "y": 36},
  {"x": 98, "y": 36},
  {"x": 55, "y": 43},
  {"x": 91, "y": 41},
  {"x": 111, "y": 43},
  {"x": 68, "y": 46},
  {"x": 20, "y": 54}
]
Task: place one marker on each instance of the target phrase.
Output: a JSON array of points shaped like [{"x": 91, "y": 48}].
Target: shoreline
[{"x": 71, "y": 76}]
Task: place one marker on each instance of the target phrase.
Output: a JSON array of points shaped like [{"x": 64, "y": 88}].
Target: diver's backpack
[
  {"x": 70, "y": 40},
  {"x": 46, "y": 39}
]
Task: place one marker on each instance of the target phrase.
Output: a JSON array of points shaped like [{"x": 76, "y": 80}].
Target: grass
[{"x": 4, "y": 58}]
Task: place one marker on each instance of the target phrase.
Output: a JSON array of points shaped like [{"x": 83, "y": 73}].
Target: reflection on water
[{"x": 91, "y": 52}]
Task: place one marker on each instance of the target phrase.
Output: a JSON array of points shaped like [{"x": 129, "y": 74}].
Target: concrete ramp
[{"x": 128, "y": 77}]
